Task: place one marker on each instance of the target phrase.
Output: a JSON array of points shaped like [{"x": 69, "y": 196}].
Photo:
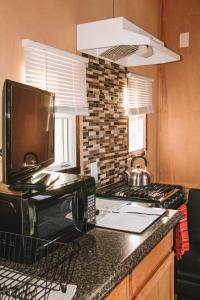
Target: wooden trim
[
  {"x": 128, "y": 133},
  {"x": 81, "y": 153},
  {"x": 78, "y": 141},
  {"x": 146, "y": 131},
  {"x": 75, "y": 170}
]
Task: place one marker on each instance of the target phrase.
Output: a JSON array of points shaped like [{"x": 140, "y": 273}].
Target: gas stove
[{"x": 153, "y": 195}]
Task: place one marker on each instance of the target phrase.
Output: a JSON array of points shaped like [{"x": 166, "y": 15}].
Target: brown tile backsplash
[{"x": 105, "y": 138}]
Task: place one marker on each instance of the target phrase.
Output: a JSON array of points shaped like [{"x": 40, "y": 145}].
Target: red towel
[{"x": 182, "y": 237}]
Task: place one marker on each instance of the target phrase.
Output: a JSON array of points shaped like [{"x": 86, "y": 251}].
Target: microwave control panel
[{"x": 91, "y": 215}]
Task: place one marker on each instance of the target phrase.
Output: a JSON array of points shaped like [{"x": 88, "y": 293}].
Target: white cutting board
[
  {"x": 127, "y": 216},
  {"x": 129, "y": 222}
]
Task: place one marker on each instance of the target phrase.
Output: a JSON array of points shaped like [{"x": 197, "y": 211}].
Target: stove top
[{"x": 162, "y": 195}]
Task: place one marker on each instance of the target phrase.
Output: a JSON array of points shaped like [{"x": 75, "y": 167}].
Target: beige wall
[
  {"x": 53, "y": 22},
  {"x": 179, "y": 105}
]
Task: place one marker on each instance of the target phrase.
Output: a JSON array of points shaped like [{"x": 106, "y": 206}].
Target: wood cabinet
[
  {"x": 160, "y": 285},
  {"x": 121, "y": 292},
  {"x": 152, "y": 278}
]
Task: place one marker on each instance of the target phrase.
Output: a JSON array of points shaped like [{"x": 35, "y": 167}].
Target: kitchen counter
[{"x": 107, "y": 256}]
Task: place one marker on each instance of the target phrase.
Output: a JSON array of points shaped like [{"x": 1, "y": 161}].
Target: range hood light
[{"x": 144, "y": 51}]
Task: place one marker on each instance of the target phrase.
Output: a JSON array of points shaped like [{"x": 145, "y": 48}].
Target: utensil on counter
[{"x": 137, "y": 176}]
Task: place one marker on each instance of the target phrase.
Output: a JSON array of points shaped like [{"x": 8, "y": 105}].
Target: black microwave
[{"x": 61, "y": 212}]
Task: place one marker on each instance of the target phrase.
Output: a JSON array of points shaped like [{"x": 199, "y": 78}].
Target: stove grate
[{"x": 152, "y": 193}]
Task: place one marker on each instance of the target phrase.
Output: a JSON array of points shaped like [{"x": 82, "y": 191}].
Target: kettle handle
[
  {"x": 31, "y": 153},
  {"x": 137, "y": 157}
]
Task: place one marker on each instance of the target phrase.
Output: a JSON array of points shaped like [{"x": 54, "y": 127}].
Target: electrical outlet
[
  {"x": 184, "y": 39},
  {"x": 94, "y": 170}
]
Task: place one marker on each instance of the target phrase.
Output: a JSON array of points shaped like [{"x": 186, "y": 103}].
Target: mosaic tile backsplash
[{"x": 105, "y": 138}]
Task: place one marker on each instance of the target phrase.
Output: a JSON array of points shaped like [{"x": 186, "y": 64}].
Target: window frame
[
  {"x": 63, "y": 166},
  {"x": 68, "y": 137}
]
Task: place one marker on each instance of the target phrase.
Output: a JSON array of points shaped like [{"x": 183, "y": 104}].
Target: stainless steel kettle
[{"x": 138, "y": 176}]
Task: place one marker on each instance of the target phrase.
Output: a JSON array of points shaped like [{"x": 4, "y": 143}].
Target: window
[
  {"x": 64, "y": 74},
  {"x": 139, "y": 104},
  {"x": 137, "y": 133}
]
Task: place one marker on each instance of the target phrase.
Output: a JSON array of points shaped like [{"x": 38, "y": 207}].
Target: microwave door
[
  {"x": 58, "y": 216},
  {"x": 54, "y": 217}
]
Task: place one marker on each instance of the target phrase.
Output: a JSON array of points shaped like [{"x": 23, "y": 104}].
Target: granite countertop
[{"x": 107, "y": 256}]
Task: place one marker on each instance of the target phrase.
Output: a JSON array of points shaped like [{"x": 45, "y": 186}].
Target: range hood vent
[
  {"x": 123, "y": 42},
  {"x": 117, "y": 52}
]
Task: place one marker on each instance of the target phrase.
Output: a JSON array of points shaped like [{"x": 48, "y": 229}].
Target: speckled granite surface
[{"x": 107, "y": 256}]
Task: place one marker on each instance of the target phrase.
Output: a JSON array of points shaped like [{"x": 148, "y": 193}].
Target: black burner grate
[{"x": 155, "y": 192}]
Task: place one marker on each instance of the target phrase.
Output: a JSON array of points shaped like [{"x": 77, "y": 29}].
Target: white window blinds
[
  {"x": 60, "y": 72},
  {"x": 139, "y": 94}
]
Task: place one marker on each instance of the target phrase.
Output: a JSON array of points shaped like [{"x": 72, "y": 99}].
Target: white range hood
[{"x": 121, "y": 41}]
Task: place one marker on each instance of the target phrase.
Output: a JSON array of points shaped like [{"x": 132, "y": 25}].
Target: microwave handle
[
  {"x": 75, "y": 206},
  {"x": 75, "y": 211}
]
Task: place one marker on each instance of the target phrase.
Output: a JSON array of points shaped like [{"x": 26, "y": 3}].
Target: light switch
[
  {"x": 93, "y": 170},
  {"x": 184, "y": 39}
]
